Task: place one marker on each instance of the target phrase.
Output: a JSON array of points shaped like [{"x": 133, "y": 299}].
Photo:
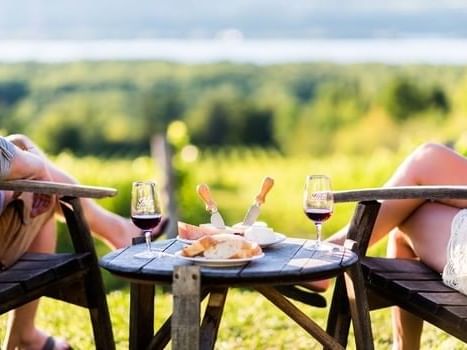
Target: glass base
[
  {"x": 318, "y": 246},
  {"x": 148, "y": 254}
]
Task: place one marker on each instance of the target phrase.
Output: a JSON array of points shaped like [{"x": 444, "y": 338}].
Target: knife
[
  {"x": 211, "y": 206},
  {"x": 253, "y": 212}
]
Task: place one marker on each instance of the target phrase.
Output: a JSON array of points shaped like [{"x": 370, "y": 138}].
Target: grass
[{"x": 250, "y": 322}]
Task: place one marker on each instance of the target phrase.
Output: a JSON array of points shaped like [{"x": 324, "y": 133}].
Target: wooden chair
[
  {"x": 406, "y": 283},
  {"x": 71, "y": 277}
]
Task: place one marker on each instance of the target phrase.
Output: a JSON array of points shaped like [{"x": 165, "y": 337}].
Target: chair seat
[
  {"x": 35, "y": 274},
  {"x": 415, "y": 287},
  {"x": 74, "y": 277}
]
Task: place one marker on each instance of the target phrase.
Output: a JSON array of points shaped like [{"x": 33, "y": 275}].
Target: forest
[
  {"x": 114, "y": 108},
  {"x": 230, "y": 125}
]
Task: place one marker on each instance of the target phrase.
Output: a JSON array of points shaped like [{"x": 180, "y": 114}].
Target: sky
[{"x": 42, "y": 19}]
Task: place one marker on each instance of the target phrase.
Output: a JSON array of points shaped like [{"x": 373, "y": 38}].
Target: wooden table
[{"x": 285, "y": 263}]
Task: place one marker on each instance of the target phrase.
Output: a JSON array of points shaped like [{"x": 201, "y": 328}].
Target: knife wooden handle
[
  {"x": 265, "y": 188},
  {"x": 205, "y": 194}
]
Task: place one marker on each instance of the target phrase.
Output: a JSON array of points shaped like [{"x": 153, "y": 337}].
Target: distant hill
[{"x": 90, "y": 19}]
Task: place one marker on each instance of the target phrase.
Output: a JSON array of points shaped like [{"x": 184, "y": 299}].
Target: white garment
[
  {"x": 455, "y": 271},
  {"x": 7, "y": 153},
  {"x": 2, "y": 201}
]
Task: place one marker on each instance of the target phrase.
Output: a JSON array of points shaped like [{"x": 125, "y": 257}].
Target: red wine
[
  {"x": 146, "y": 222},
  {"x": 318, "y": 215}
]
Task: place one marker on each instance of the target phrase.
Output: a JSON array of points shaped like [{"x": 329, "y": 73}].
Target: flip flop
[{"x": 50, "y": 344}]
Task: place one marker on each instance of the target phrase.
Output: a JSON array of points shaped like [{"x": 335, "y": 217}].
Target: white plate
[
  {"x": 184, "y": 240},
  {"x": 217, "y": 262},
  {"x": 279, "y": 237},
  {"x": 187, "y": 241}
]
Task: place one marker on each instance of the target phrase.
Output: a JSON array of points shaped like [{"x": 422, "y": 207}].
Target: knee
[
  {"x": 427, "y": 155},
  {"x": 429, "y": 150}
]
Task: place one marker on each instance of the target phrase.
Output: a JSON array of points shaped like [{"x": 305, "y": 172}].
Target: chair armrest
[
  {"x": 403, "y": 192},
  {"x": 57, "y": 188}
]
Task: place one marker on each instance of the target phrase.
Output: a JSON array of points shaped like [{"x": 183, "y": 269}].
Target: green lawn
[{"x": 250, "y": 322}]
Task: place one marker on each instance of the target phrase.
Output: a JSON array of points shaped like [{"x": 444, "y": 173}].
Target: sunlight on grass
[
  {"x": 234, "y": 175},
  {"x": 250, "y": 322}
]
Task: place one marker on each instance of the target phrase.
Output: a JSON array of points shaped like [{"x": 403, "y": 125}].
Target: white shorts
[{"x": 455, "y": 271}]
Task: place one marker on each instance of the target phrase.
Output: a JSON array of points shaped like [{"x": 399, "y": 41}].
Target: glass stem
[
  {"x": 147, "y": 235},
  {"x": 318, "y": 233}
]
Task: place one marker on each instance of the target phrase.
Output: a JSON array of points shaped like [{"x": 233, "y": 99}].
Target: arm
[
  {"x": 26, "y": 165},
  {"x": 19, "y": 164},
  {"x": 25, "y": 162}
]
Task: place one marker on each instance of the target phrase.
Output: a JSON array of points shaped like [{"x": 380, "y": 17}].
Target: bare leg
[
  {"x": 424, "y": 236},
  {"x": 425, "y": 225},
  {"x": 113, "y": 229},
  {"x": 430, "y": 164},
  {"x": 407, "y": 328},
  {"x": 21, "y": 331}
]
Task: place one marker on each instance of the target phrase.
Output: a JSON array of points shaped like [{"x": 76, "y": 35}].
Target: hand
[
  {"x": 29, "y": 163},
  {"x": 40, "y": 204}
]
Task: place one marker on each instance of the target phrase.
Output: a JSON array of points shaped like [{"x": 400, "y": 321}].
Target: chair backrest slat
[
  {"x": 403, "y": 192},
  {"x": 56, "y": 188}
]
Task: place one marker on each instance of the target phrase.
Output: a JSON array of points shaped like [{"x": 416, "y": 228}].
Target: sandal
[{"x": 50, "y": 344}]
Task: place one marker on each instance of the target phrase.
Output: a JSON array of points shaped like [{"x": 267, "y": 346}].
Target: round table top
[{"x": 283, "y": 263}]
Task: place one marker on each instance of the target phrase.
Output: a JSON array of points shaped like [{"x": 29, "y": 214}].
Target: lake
[{"x": 345, "y": 51}]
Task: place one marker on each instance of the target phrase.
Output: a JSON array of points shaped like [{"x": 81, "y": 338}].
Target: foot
[
  {"x": 42, "y": 341},
  {"x": 317, "y": 286},
  {"x": 52, "y": 343}
]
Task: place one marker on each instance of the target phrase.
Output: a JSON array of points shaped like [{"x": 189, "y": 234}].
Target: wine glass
[
  {"x": 145, "y": 213},
  {"x": 318, "y": 205}
]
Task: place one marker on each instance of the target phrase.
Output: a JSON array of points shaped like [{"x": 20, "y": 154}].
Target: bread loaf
[
  {"x": 222, "y": 246},
  {"x": 198, "y": 246}
]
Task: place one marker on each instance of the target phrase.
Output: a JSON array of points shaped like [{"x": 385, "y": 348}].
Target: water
[{"x": 390, "y": 51}]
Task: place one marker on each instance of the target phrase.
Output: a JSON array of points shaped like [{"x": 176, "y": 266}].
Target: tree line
[{"x": 107, "y": 108}]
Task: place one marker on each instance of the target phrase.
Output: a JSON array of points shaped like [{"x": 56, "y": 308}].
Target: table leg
[
  {"x": 141, "y": 315},
  {"x": 186, "y": 307},
  {"x": 338, "y": 323},
  {"x": 350, "y": 302},
  {"x": 359, "y": 307},
  {"x": 163, "y": 335},
  {"x": 212, "y": 317},
  {"x": 298, "y": 316}
]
